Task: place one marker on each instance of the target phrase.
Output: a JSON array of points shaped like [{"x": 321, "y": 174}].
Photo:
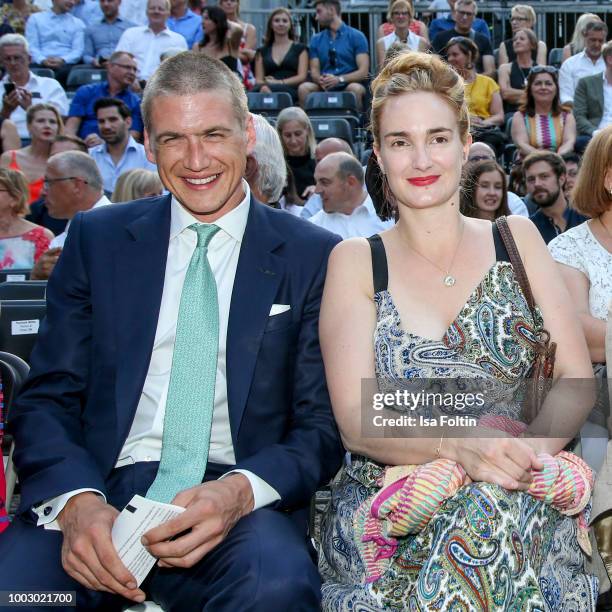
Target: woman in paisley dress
[{"x": 437, "y": 297}]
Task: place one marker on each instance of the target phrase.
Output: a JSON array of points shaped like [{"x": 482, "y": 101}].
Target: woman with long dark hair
[
  {"x": 541, "y": 122},
  {"x": 221, "y": 39},
  {"x": 484, "y": 193},
  {"x": 281, "y": 64}
]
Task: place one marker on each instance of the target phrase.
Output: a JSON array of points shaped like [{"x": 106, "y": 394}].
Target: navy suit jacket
[{"x": 93, "y": 351}]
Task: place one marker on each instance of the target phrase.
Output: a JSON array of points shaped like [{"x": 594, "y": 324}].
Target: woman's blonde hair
[
  {"x": 412, "y": 72},
  {"x": 400, "y": 4},
  {"x": 577, "y": 42},
  {"x": 135, "y": 184},
  {"x": 590, "y": 196},
  {"x": 295, "y": 113},
  {"x": 524, "y": 10},
  {"x": 16, "y": 184}
]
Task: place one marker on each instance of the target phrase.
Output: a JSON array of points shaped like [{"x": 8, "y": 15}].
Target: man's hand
[
  {"x": 327, "y": 81},
  {"x": 88, "y": 554},
  {"x": 46, "y": 262},
  {"x": 10, "y": 102},
  {"x": 53, "y": 62},
  {"x": 212, "y": 509},
  {"x": 92, "y": 140},
  {"x": 308, "y": 192},
  {"x": 24, "y": 97}
]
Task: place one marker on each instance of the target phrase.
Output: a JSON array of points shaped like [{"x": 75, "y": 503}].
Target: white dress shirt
[
  {"x": 362, "y": 222},
  {"x": 573, "y": 69},
  {"x": 147, "y": 46},
  {"x": 144, "y": 439},
  {"x": 134, "y": 11},
  {"x": 516, "y": 205},
  {"x": 59, "y": 240},
  {"x": 43, "y": 89}
]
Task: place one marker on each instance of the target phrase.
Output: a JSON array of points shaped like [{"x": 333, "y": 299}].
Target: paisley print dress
[{"x": 486, "y": 548}]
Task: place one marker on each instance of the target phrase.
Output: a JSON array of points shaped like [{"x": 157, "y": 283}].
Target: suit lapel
[
  {"x": 140, "y": 265},
  {"x": 258, "y": 277}
]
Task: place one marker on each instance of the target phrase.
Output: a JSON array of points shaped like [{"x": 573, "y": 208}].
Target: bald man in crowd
[
  {"x": 347, "y": 207},
  {"x": 329, "y": 145}
]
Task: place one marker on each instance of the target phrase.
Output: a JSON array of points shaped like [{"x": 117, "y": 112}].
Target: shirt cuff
[
  {"x": 263, "y": 493},
  {"x": 48, "y": 511}
]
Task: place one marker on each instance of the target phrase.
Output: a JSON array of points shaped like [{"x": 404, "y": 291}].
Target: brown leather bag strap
[{"x": 515, "y": 260}]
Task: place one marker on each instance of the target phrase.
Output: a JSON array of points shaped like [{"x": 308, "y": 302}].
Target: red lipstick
[{"x": 423, "y": 181}]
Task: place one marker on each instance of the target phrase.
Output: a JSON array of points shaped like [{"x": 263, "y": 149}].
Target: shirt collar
[
  {"x": 164, "y": 31},
  {"x": 232, "y": 223}
]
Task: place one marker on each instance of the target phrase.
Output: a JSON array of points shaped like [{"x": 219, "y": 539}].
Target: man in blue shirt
[
  {"x": 121, "y": 73},
  {"x": 102, "y": 37},
  {"x": 120, "y": 152},
  {"x": 184, "y": 21},
  {"x": 339, "y": 57},
  {"x": 545, "y": 178},
  {"x": 448, "y": 23},
  {"x": 56, "y": 38}
]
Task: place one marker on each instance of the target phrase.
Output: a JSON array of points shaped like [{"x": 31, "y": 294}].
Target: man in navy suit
[{"x": 89, "y": 423}]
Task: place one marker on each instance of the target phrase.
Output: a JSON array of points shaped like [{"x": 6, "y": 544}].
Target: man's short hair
[
  {"x": 115, "y": 55},
  {"x": 121, "y": 106},
  {"x": 75, "y": 140},
  {"x": 571, "y": 158},
  {"x": 554, "y": 160},
  {"x": 14, "y": 40},
  {"x": 595, "y": 26},
  {"x": 467, "y": 3},
  {"x": 348, "y": 166},
  {"x": 80, "y": 165},
  {"x": 335, "y": 3},
  {"x": 190, "y": 73},
  {"x": 271, "y": 166},
  {"x": 166, "y": 2},
  {"x": 606, "y": 50}
]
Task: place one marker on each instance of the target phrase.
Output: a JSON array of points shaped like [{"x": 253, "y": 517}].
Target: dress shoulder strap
[
  {"x": 380, "y": 272},
  {"x": 501, "y": 252}
]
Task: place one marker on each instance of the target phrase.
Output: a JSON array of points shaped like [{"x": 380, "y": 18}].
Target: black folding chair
[
  {"x": 23, "y": 290},
  {"x": 82, "y": 75},
  {"x": 336, "y": 127},
  {"x": 269, "y": 104},
  {"x": 8, "y": 276},
  {"x": 19, "y": 323}
]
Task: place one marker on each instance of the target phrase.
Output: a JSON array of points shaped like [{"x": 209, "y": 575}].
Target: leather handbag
[{"x": 544, "y": 362}]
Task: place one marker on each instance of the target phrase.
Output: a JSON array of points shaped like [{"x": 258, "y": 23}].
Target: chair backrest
[
  {"x": 555, "y": 57},
  {"x": 332, "y": 102},
  {"x": 81, "y": 75},
  {"x": 19, "y": 323},
  {"x": 43, "y": 72},
  {"x": 8, "y": 276},
  {"x": 23, "y": 290},
  {"x": 269, "y": 103},
  {"x": 336, "y": 127}
]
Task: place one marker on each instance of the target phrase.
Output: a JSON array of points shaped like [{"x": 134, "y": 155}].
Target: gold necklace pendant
[{"x": 449, "y": 280}]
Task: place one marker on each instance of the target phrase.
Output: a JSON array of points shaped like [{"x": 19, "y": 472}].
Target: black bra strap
[
  {"x": 380, "y": 272},
  {"x": 501, "y": 252}
]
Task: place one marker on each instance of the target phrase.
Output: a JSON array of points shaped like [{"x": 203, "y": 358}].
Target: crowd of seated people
[{"x": 530, "y": 121}]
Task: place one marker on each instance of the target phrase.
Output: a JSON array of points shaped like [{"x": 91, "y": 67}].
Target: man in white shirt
[
  {"x": 585, "y": 63},
  {"x": 72, "y": 184},
  {"x": 117, "y": 388},
  {"x": 347, "y": 207},
  {"x": 28, "y": 88},
  {"x": 147, "y": 43}
]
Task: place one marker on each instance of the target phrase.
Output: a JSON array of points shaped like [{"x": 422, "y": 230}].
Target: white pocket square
[{"x": 279, "y": 308}]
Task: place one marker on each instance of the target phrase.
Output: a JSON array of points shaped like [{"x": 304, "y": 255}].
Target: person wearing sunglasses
[
  {"x": 339, "y": 57},
  {"x": 541, "y": 122}
]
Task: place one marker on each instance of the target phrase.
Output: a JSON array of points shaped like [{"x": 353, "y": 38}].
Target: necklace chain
[{"x": 449, "y": 280}]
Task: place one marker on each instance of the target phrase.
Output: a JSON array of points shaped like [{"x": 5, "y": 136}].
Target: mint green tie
[{"x": 191, "y": 392}]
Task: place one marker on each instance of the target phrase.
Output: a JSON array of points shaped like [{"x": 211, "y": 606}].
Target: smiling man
[{"x": 179, "y": 360}]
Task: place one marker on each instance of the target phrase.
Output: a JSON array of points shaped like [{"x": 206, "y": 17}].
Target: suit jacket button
[{"x": 47, "y": 510}]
